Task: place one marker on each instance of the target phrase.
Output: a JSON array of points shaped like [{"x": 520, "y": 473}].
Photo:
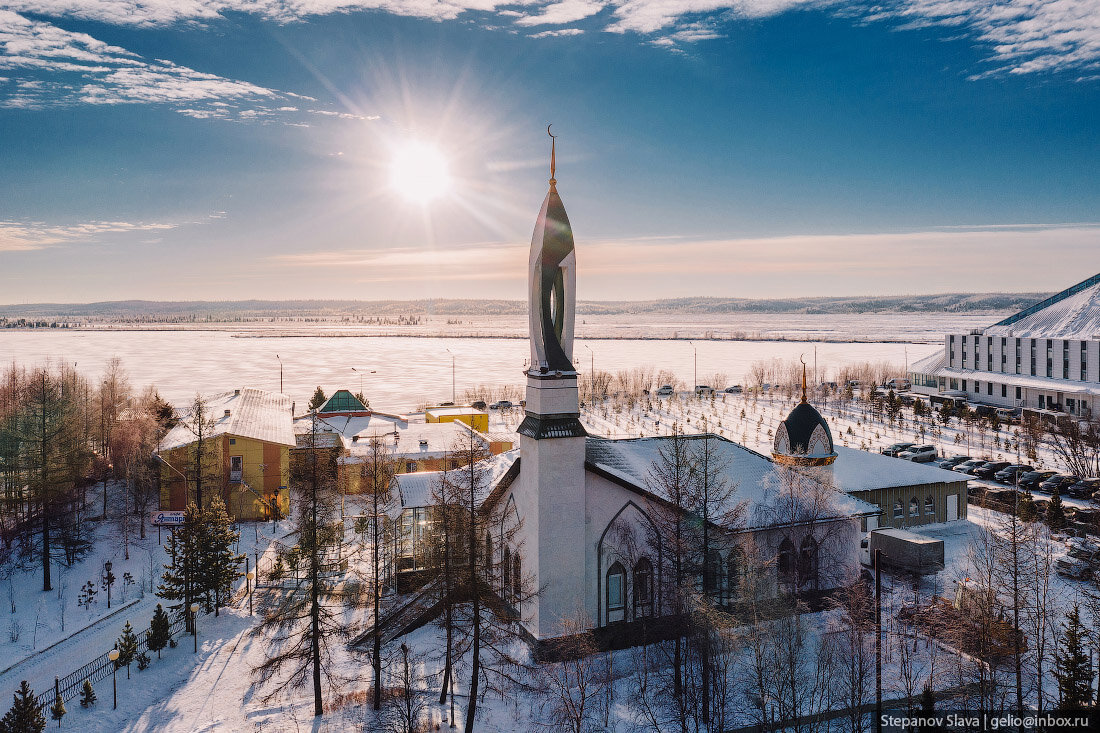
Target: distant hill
[{"x": 154, "y": 311}]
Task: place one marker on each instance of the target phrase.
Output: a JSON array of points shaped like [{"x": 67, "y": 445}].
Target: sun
[{"x": 419, "y": 172}]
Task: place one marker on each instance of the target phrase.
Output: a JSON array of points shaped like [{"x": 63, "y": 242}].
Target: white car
[
  {"x": 665, "y": 390},
  {"x": 919, "y": 454}
]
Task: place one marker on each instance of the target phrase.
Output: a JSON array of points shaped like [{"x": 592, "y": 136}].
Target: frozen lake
[{"x": 408, "y": 370}]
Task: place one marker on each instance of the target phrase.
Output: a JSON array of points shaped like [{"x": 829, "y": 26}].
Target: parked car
[
  {"x": 919, "y": 454},
  {"x": 478, "y": 404},
  {"x": 896, "y": 448},
  {"x": 969, "y": 466},
  {"x": 1084, "y": 489},
  {"x": 703, "y": 390},
  {"x": 1060, "y": 481},
  {"x": 735, "y": 389},
  {"x": 951, "y": 462},
  {"x": 897, "y": 384},
  {"x": 1032, "y": 479},
  {"x": 501, "y": 405},
  {"x": 1007, "y": 475},
  {"x": 665, "y": 390},
  {"x": 990, "y": 469}
]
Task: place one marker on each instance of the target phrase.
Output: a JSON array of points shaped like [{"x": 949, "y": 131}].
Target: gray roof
[
  {"x": 1073, "y": 313},
  {"x": 253, "y": 413},
  {"x": 415, "y": 489}
]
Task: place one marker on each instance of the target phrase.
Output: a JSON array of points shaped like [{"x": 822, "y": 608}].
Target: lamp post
[
  {"x": 108, "y": 580},
  {"x": 195, "y": 625},
  {"x": 361, "y": 372},
  {"x": 249, "y": 577},
  {"x": 280, "y": 360},
  {"x": 113, "y": 656},
  {"x": 696, "y": 377},
  {"x": 452, "y": 374}
]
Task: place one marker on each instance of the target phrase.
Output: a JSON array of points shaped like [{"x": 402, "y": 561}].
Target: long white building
[{"x": 1046, "y": 357}]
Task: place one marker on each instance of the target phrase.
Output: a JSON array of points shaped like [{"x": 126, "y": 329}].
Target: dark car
[
  {"x": 969, "y": 466},
  {"x": 988, "y": 470},
  {"x": 951, "y": 462},
  {"x": 1007, "y": 475},
  {"x": 1060, "y": 481},
  {"x": 1084, "y": 489},
  {"x": 893, "y": 450},
  {"x": 478, "y": 404},
  {"x": 1032, "y": 479}
]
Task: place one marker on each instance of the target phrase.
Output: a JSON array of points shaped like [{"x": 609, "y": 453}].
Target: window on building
[
  {"x": 643, "y": 588},
  {"x": 1050, "y": 358},
  {"x": 930, "y": 505},
  {"x": 734, "y": 568},
  {"x": 914, "y": 507},
  {"x": 807, "y": 563},
  {"x": 977, "y": 386},
  {"x": 517, "y": 577},
  {"x": 505, "y": 571},
  {"x": 899, "y": 510},
  {"x": 1065, "y": 359},
  {"x": 232, "y": 441},
  {"x": 616, "y": 587},
  {"x": 1004, "y": 390},
  {"x": 410, "y": 466},
  {"x": 785, "y": 562},
  {"x": 989, "y": 388},
  {"x": 712, "y": 571},
  {"x": 964, "y": 385},
  {"x": 1084, "y": 360},
  {"x": 1019, "y": 393},
  {"x": 1017, "y": 356},
  {"x": 488, "y": 559},
  {"x": 1032, "y": 357},
  {"x": 989, "y": 354}
]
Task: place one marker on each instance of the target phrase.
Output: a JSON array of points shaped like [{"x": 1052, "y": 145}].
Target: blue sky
[{"x": 229, "y": 149}]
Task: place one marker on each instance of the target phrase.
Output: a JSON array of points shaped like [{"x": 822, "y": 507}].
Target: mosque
[{"x": 580, "y": 515}]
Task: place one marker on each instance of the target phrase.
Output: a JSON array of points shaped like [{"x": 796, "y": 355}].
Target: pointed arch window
[
  {"x": 930, "y": 505},
  {"x": 517, "y": 576},
  {"x": 785, "y": 562},
  {"x": 914, "y": 507},
  {"x": 808, "y": 563},
  {"x": 488, "y": 554},
  {"x": 712, "y": 571},
  {"x": 643, "y": 588},
  {"x": 506, "y": 571},
  {"x": 899, "y": 510},
  {"x": 616, "y": 592}
]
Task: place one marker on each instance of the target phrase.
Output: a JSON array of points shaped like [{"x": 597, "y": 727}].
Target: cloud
[
  {"x": 563, "y": 11},
  {"x": 26, "y": 236},
  {"x": 559, "y": 32}
]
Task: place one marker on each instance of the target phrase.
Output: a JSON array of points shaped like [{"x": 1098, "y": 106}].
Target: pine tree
[
  {"x": 25, "y": 715},
  {"x": 1056, "y": 515},
  {"x": 179, "y": 582},
  {"x": 160, "y": 630},
  {"x": 127, "y": 648},
  {"x": 142, "y": 661},
  {"x": 318, "y": 399},
  {"x": 1072, "y": 668},
  {"x": 218, "y": 565},
  {"x": 1028, "y": 512},
  {"x": 57, "y": 710},
  {"x": 87, "y": 695}
]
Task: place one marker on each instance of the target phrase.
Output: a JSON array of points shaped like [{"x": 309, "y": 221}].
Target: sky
[{"x": 279, "y": 149}]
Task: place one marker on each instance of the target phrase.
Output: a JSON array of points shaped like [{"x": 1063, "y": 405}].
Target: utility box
[{"x": 904, "y": 550}]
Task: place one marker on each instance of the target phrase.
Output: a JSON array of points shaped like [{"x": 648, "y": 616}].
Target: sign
[{"x": 167, "y": 519}]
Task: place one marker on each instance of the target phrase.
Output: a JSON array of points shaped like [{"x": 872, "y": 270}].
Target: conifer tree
[
  {"x": 1072, "y": 667},
  {"x": 1056, "y": 514},
  {"x": 179, "y": 581},
  {"x": 127, "y": 648},
  {"x": 142, "y": 661},
  {"x": 218, "y": 564},
  {"x": 57, "y": 710},
  {"x": 25, "y": 715},
  {"x": 159, "y": 630},
  {"x": 318, "y": 399},
  {"x": 87, "y": 695},
  {"x": 1028, "y": 512}
]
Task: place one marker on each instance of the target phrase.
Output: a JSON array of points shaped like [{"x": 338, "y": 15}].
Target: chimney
[
  {"x": 355, "y": 439},
  {"x": 227, "y": 413},
  {"x": 236, "y": 393}
]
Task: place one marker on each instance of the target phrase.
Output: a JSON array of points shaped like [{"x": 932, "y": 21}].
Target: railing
[{"x": 100, "y": 668}]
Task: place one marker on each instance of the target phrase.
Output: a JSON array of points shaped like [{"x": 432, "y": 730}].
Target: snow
[
  {"x": 857, "y": 470},
  {"x": 415, "y": 489},
  {"x": 1069, "y": 315},
  {"x": 252, "y": 413}
]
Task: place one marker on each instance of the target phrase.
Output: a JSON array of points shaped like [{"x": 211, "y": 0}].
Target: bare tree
[
  {"x": 572, "y": 689},
  {"x": 376, "y": 478}
]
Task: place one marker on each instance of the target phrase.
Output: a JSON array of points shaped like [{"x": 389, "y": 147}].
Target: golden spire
[
  {"x": 553, "y": 162},
  {"x": 803, "y": 377}
]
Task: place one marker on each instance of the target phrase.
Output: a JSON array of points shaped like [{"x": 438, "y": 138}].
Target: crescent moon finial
[
  {"x": 553, "y": 155},
  {"x": 803, "y": 376}
]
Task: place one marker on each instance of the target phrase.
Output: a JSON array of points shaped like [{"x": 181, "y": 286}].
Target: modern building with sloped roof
[{"x": 1046, "y": 358}]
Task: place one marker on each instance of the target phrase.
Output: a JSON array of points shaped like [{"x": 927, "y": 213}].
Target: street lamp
[
  {"x": 452, "y": 374},
  {"x": 113, "y": 656},
  {"x": 696, "y": 350},
  {"x": 361, "y": 372},
  {"x": 249, "y": 577},
  {"x": 280, "y": 360},
  {"x": 109, "y": 580},
  {"x": 195, "y": 625}
]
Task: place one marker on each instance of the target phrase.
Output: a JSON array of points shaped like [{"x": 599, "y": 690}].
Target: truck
[{"x": 903, "y": 549}]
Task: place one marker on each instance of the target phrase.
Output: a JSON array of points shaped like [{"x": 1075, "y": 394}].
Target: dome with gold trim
[{"x": 804, "y": 438}]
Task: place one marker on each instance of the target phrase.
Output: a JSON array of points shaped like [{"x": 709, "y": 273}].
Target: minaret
[{"x": 551, "y": 435}]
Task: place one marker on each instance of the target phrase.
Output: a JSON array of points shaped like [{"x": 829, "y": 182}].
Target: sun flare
[{"x": 419, "y": 172}]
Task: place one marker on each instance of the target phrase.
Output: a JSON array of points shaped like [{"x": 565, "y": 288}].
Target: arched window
[
  {"x": 807, "y": 563},
  {"x": 914, "y": 507},
  {"x": 899, "y": 510},
  {"x": 506, "y": 572},
  {"x": 712, "y": 571},
  {"x": 785, "y": 562},
  {"x": 734, "y": 568},
  {"x": 517, "y": 577},
  {"x": 930, "y": 505},
  {"x": 488, "y": 559},
  {"x": 643, "y": 588},
  {"x": 616, "y": 593}
]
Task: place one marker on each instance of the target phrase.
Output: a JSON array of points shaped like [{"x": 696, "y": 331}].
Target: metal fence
[{"x": 100, "y": 668}]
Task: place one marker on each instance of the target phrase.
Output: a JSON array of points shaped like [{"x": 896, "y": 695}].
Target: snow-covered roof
[
  {"x": 759, "y": 481},
  {"x": 929, "y": 364},
  {"x": 1073, "y": 313},
  {"x": 1068, "y": 386},
  {"x": 858, "y": 470},
  {"x": 453, "y": 410},
  {"x": 415, "y": 489},
  {"x": 253, "y": 413},
  {"x": 424, "y": 440},
  {"x": 348, "y": 427}
]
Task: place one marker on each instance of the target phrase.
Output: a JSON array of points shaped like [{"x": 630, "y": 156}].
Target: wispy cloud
[
  {"x": 18, "y": 236},
  {"x": 557, "y": 33}
]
